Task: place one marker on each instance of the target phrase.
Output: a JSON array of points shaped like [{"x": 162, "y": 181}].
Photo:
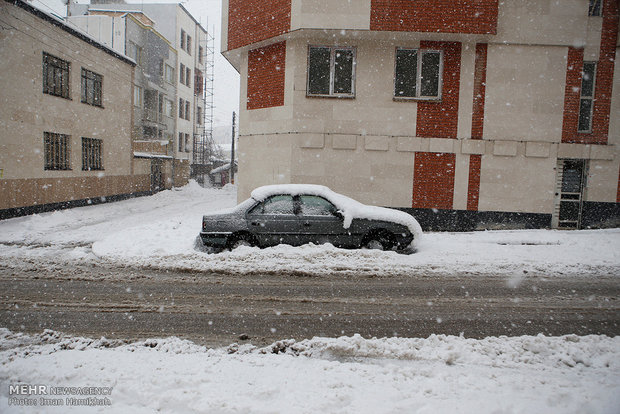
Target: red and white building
[{"x": 469, "y": 114}]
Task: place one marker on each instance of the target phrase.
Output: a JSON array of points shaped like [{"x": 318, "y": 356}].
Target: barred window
[
  {"x": 92, "y": 86},
  {"x": 57, "y": 151},
  {"x": 55, "y": 76},
  {"x": 91, "y": 154},
  {"x": 181, "y": 108},
  {"x": 187, "y": 110},
  {"x": 181, "y": 142}
]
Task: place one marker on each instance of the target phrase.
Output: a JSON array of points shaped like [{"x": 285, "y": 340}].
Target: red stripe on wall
[
  {"x": 251, "y": 21},
  {"x": 480, "y": 79},
  {"x": 439, "y": 119},
  {"x": 441, "y": 16},
  {"x": 572, "y": 92},
  {"x": 433, "y": 180},
  {"x": 473, "y": 187},
  {"x": 266, "y": 76},
  {"x": 603, "y": 83}
]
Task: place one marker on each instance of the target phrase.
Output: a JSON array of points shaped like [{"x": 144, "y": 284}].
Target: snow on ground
[
  {"x": 439, "y": 374},
  {"x": 160, "y": 232}
]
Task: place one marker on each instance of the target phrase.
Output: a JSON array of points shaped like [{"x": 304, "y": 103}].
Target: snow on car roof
[{"x": 349, "y": 207}]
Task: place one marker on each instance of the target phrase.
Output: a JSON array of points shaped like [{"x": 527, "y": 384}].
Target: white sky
[{"x": 208, "y": 13}]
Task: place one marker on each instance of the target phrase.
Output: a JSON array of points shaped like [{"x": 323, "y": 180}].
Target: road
[{"x": 218, "y": 309}]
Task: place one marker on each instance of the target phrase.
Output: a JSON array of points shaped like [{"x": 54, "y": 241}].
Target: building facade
[
  {"x": 189, "y": 40},
  {"x": 470, "y": 114},
  {"x": 65, "y": 115},
  {"x": 154, "y": 89}
]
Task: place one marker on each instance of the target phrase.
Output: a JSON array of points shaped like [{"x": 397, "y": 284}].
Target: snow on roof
[
  {"x": 350, "y": 208},
  {"x": 149, "y": 155},
  {"x": 220, "y": 169}
]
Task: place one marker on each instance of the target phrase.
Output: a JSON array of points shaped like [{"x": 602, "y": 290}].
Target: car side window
[
  {"x": 316, "y": 206},
  {"x": 276, "y": 205}
]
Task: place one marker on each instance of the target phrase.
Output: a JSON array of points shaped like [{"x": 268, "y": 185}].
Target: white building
[{"x": 190, "y": 40}]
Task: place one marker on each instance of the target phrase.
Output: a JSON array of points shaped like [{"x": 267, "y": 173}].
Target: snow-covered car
[{"x": 298, "y": 214}]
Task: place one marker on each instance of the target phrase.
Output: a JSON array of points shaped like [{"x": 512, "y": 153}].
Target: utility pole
[{"x": 232, "y": 151}]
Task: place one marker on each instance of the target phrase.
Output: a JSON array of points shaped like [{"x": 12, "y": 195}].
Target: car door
[
  {"x": 273, "y": 221},
  {"x": 320, "y": 221}
]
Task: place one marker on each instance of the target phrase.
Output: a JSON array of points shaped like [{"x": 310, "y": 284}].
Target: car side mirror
[{"x": 339, "y": 214}]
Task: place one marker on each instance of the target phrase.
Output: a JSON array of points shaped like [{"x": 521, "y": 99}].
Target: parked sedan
[{"x": 297, "y": 214}]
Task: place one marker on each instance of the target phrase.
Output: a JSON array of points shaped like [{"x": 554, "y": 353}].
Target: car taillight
[{"x": 204, "y": 225}]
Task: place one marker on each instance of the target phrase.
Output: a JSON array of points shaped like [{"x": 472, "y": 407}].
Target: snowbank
[
  {"x": 160, "y": 232},
  {"x": 529, "y": 374}
]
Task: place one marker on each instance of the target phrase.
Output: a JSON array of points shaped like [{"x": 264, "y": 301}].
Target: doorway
[
  {"x": 157, "y": 179},
  {"x": 569, "y": 194}
]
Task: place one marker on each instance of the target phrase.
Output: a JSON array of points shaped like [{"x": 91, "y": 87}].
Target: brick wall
[
  {"x": 480, "y": 79},
  {"x": 266, "y": 76},
  {"x": 251, "y": 21},
  {"x": 572, "y": 91},
  {"x": 473, "y": 187},
  {"x": 444, "y": 16},
  {"x": 433, "y": 180},
  {"x": 439, "y": 119},
  {"x": 603, "y": 83}
]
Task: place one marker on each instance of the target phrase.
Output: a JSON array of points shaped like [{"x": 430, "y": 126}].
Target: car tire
[
  {"x": 238, "y": 240},
  {"x": 380, "y": 240}
]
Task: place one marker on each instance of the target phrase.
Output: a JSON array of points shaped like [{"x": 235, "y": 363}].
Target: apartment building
[
  {"x": 469, "y": 114},
  {"x": 189, "y": 39},
  {"x": 65, "y": 116},
  {"x": 154, "y": 89}
]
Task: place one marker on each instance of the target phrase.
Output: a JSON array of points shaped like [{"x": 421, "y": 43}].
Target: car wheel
[
  {"x": 379, "y": 241},
  {"x": 238, "y": 240}
]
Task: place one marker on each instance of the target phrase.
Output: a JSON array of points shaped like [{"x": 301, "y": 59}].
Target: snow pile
[
  {"x": 160, "y": 232},
  {"x": 567, "y": 374}
]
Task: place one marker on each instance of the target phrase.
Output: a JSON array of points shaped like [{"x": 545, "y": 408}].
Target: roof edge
[{"x": 64, "y": 26}]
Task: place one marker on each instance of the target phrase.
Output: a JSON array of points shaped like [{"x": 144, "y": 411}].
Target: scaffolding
[{"x": 204, "y": 145}]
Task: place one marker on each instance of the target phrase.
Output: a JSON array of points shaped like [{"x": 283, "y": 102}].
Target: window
[
  {"x": 138, "y": 95},
  {"x": 91, "y": 88},
  {"x": 183, "y": 43},
  {"x": 135, "y": 52},
  {"x": 91, "y": 154},
  {"x": 181, "y": 108},
  {"x": 595, "y": 7},
  {"x": 57, "y": 150},
  {"x": 187, "y": 146},
  {"x": 586, "y": 102},
  {"x": 182, "y": 73},
  {"x": 198, "y": 82},
  {"x": 180, "y": 146},
  {"x": 189, "y": 45},
  {"x": 55, "y": 76},
  {"x": 418, "y": 74},
  {"x": 316, "y": 206},
  {"x": 278, "y": 205},
  {"x": 331, "y": 71},
  {"x": 187, "y": 110},
  {"x": 199, "y": 115},
  {"x": 188, "y": 77},
  {"x": 168, "y": 108},
  {"x": 169, "y": 73},
  {"x": 201, "y": 52}
]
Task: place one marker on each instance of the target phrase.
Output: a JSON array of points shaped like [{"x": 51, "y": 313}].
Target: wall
[{"x": 27, "y": 112}]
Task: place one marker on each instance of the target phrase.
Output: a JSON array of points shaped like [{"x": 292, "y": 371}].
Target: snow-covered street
[
  {"x": 160, "y": 232},
  {"x": 350, "y": 374}
]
